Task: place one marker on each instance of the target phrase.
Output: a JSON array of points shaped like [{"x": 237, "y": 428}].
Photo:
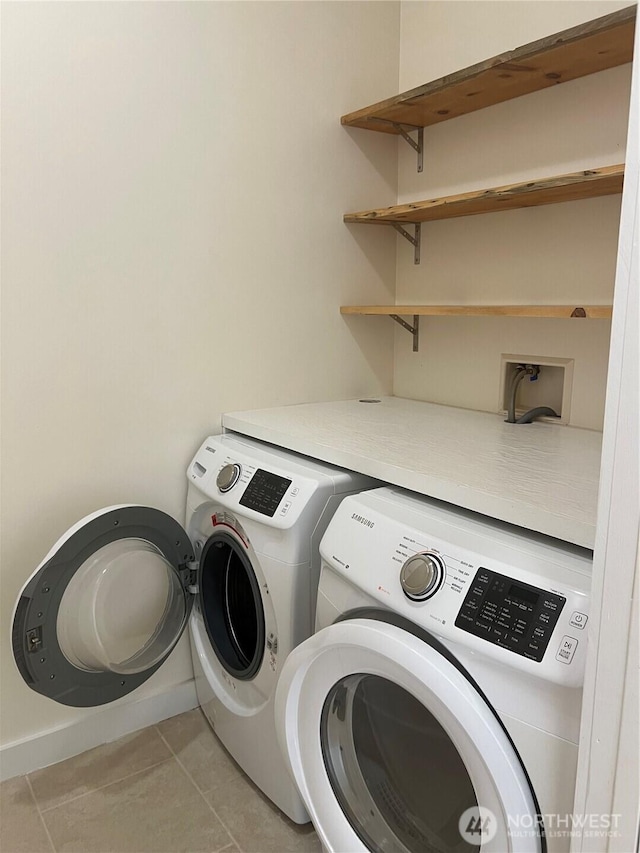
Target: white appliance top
[
  {"x": 540, "y": 476},
  {"x": 520, "y": 600}
]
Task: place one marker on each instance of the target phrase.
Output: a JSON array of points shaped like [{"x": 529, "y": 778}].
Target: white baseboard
[{"x": 101, "y": 726}]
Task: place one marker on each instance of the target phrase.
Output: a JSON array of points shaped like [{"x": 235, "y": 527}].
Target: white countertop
[{"x": 540, "y": 476}]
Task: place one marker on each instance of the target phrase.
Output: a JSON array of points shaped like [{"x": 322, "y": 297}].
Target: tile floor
[{"x": 171, "y": 788}]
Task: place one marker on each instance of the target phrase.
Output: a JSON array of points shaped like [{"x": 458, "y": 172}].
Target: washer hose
[{"x": 521, "y": 371}]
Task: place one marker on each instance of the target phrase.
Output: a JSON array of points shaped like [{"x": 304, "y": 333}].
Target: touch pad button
[
  {"x": 578, "y": 620},
  {"x": 567, "y": 649}
]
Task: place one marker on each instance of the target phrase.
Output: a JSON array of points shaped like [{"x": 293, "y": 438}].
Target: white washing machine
[
  {"x": 111, "y": 599},
  {"x": 436, "y": 709}
]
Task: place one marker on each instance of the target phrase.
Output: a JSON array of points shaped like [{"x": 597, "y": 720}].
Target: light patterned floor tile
[
  {"x": 155, "y": 811},
  {"x": 256, "y": 824},
  {"x": 193, "y": 741},
  {"x": 21, "y": 829},
  {"x": 98, "y": 767}
]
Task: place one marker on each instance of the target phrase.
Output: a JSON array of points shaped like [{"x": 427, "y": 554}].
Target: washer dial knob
[
  {"x": 421, "y": 576},
  {"x": 228, "y": 476}
]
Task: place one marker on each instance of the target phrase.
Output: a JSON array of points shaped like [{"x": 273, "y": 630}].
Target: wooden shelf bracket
[
  {"x": 415, "y": 329},
  {"x": 418, "y": 146},
  {"x": 415, "y": 240}
]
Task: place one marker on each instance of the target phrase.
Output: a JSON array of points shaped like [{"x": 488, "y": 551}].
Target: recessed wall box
[{"x": 552, "y": 387}]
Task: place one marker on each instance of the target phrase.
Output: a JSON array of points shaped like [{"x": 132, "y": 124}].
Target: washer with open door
[
  {"x": 114, "y": 595},
  {"x": 436, "y": 709}
]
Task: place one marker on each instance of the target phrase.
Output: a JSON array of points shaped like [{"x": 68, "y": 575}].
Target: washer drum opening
[{"x": 232, "y": 606}]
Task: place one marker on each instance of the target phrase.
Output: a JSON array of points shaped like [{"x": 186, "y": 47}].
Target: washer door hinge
[{"x": 189, "y": 576}]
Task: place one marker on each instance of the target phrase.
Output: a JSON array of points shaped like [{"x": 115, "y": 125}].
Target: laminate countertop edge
[{"x": 542, "y": 477}]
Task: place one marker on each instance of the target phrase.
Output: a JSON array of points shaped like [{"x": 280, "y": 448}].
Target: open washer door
[
  {"x": 106, "y": 606},
  {"x": 394, "y": 748}
]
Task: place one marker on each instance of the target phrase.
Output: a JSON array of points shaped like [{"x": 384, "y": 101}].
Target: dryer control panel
[
  {"x": 491, "y": 590},
  {"x": 509, "y": 613}
]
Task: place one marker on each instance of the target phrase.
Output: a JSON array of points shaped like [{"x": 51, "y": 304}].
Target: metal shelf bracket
[
  {"x": 418, "y": 146},
  {"x": 415, "y": 241},
  {"x": 415, "y": 329}
]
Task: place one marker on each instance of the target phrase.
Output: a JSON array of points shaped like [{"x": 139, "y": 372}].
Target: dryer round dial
[
  {"x": 421, "y": 576},
  {"x": 228, "y": 476}
]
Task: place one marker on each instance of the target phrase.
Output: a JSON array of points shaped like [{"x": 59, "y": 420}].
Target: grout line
[
  {"x": 239, "y": 771},
  {"x": 279, "y": 814},
  {"x": 102, "y": 787},
  {"x": 42, "y": 820},
  {"x": 209, "y": 806}
]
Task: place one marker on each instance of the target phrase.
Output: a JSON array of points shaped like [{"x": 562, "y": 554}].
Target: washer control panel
[
  {"x": 264, "y": 492},
  {"x": 261, "y": 483},
  {"x": 510, "y": 613}
]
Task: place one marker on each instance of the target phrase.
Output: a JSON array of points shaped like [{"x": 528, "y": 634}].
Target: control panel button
[
  {"x": 286, "y": 506},
  {"x": 228, "y": 476},
  {"x": 578, "y": 620},
  {"x": 566, "y": 649},
  {"x": 421, "y": 576}
]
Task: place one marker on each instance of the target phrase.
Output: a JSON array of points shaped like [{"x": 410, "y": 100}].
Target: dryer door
[
  {"x": 394, "y": 748},
  {"x": 105, "y": 607}
]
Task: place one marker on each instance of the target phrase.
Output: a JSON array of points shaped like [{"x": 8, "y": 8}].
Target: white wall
[
  {"x": 174, "y": 178},
  {"x": 562, "y": 254}
]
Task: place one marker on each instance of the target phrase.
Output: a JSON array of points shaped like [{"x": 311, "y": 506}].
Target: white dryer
[
  {"x": 437, "y": 707},
  {"x": 111, "y": 599}
]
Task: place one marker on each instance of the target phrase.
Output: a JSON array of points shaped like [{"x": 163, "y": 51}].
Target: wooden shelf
[
  {"x": 593, "y": 312},
  {"x": 594, "y": 46},
  {"x": 573, "y": 187}
]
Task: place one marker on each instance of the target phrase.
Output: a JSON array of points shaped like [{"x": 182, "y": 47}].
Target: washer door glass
[
  {"x": 122, "y": 609},
  {"x": 232, "y": 605},
  {"x": 396, "y": 773},
  {"x": 105, "y": 608}
]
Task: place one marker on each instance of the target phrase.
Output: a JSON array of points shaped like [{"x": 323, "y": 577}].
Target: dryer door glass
[
  {"x": 105, "y": 608},
  {"x": 232, "y": 605},
  {"x": 394, "y": 747},
  {"x": 396, "y": 773}
]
